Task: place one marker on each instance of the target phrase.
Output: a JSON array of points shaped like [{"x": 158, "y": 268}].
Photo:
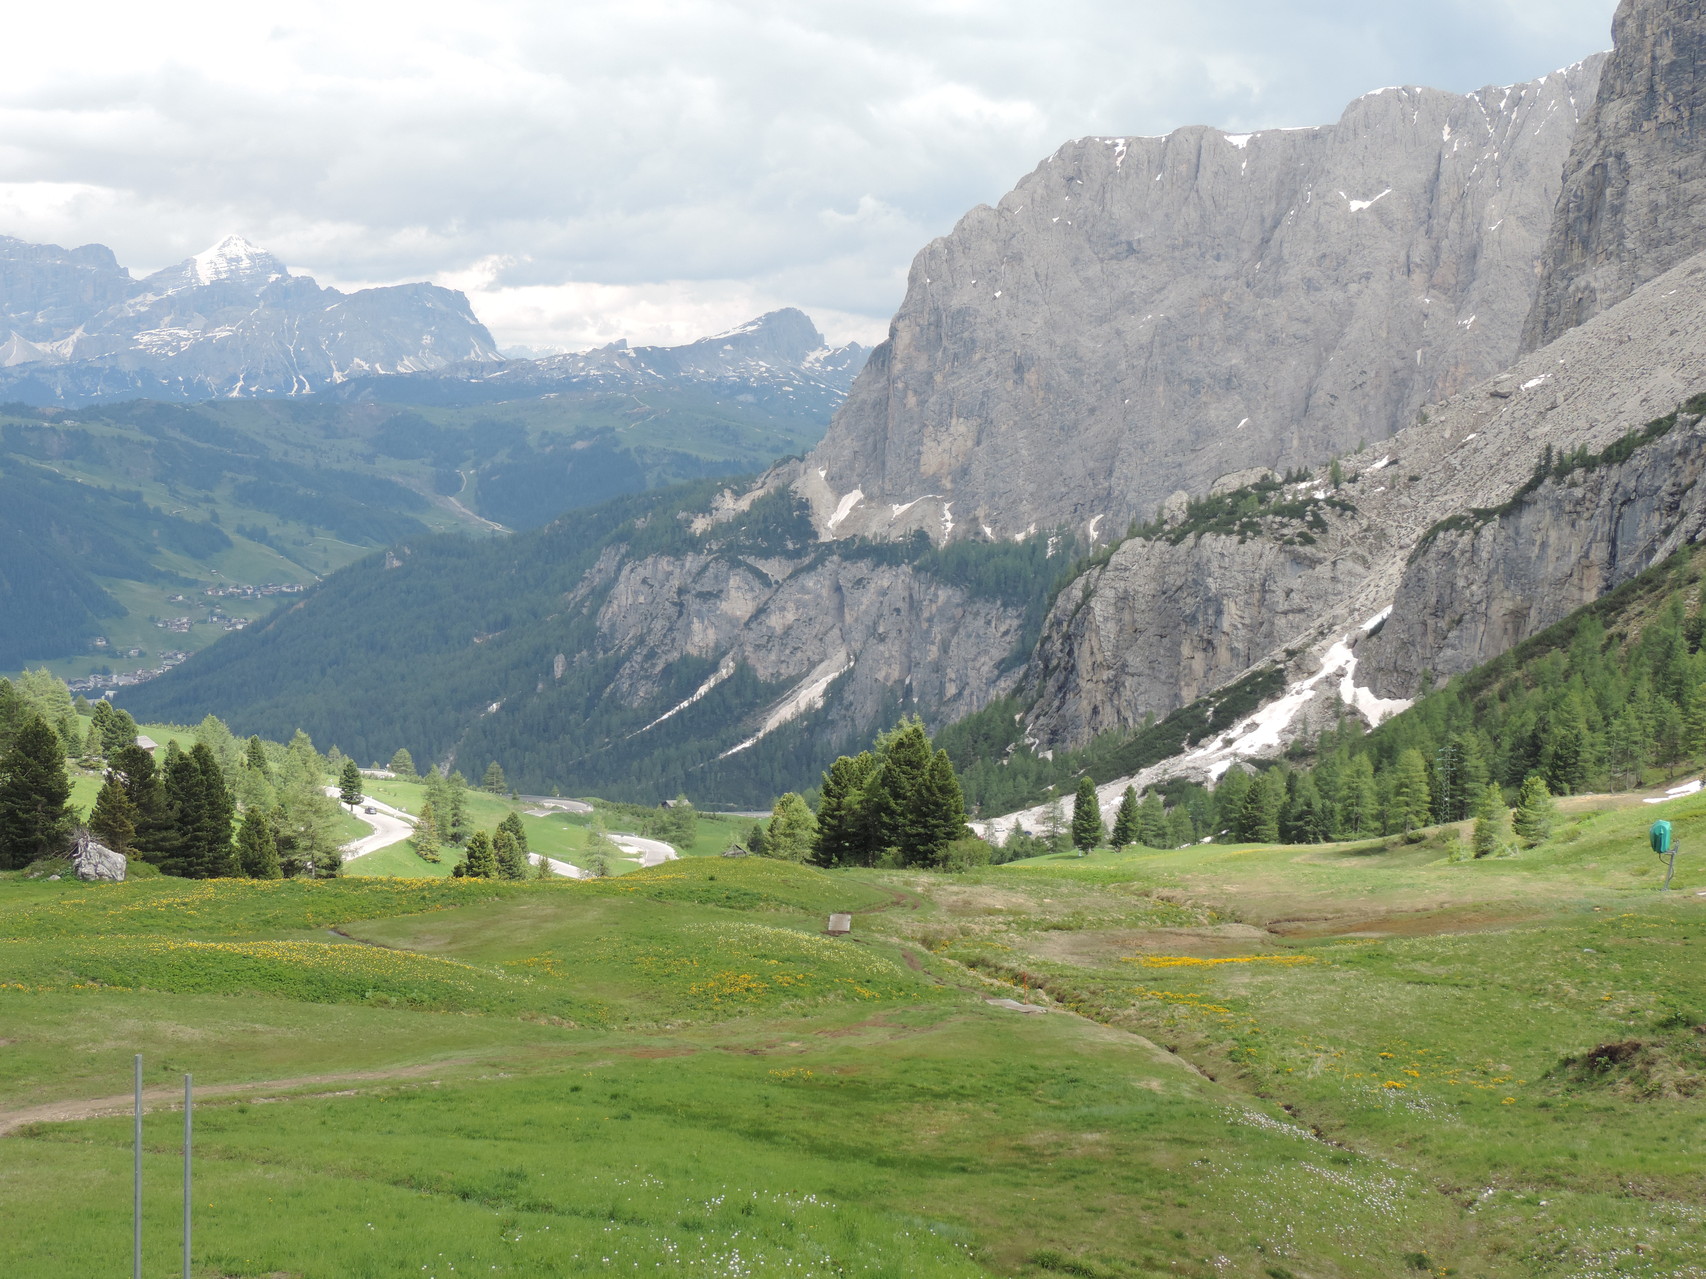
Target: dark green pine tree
[
  {"x": 846, "y": 819},
  {"x": 403, "y": 764},
  {"x": 349, "y": 783},
  {"x": 100, "y": 719},
  {"x": 453, "y": 822},
  {"x": 255, "y": 756},
  {"x": 113, "y": 818},
  {"x": 1229, "y": 802},
  {"x": 156, "y": 838},
  {"x": 1152, "y": 821},
  {"x": 494, "y": 781},
  {"x": 35, "y": 814},
  {"x": 1258, "y": 818},
  {"x": 1125, "y": 820},
  {"x": 900, "y": 820},
  {"x": 506, "y": 853},
  {"x": 518, "y": 832},
  {"x": 1086, "y": 816},
  {"x": 257, "y": 847},
  {"x": 944, "y": 809},
  {"x": 214, "y": 855},
  {"x": 480, "y": 862},
  {"x": 183, "y": 814},
  {"x": 1305, "y": 819}
]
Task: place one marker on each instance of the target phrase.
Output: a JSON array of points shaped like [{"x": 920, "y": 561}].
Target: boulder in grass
[{"x": 92, "y": 859}]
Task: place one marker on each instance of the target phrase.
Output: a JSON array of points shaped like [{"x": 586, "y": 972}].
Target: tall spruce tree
[
  {"x": 1258, "y": 819},
  {"x": 35, "y": 814},
  {"x": 897, "y": 794},
  {"x": 135, "y": 770},
  {"x": 494, "y": 781},
  {"x": 508, "y": 854},
  {"x": 1125, "y": 832},
  {"x": 349, "y": 784},
  {"x": 1491, "y": 822},
  {"x": 113, "y": 818},
  {"x": 479, "y": 862},
  {"x": 1086, "y": 816},
  {"x": 403, "y": 764},
  {"x": 846, "y": 818},
  {"x": 215, "y": 856},
  {"x": 257, "y": 849}
]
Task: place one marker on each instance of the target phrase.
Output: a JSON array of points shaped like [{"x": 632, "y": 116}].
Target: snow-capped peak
[{"x": 234, "y": 258}]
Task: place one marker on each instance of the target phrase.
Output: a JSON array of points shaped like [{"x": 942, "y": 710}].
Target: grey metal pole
[
  {"x": 188, "y": 1103},
  {"x": 136, "y": 1186}
]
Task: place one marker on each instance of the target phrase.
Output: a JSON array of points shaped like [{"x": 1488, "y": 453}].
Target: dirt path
[{"x": 171, "y": 1097}]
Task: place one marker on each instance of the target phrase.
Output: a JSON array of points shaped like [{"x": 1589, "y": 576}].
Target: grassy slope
[{"x": 674, "y": 1067}]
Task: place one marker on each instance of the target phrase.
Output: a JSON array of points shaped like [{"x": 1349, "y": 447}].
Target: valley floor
[{"x": 1282, "y": 1063}]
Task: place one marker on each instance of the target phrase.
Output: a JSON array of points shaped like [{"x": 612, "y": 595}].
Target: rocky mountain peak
[
  {"x": 1142, "y": 315},
  {"x": 1633, "y": 203}
]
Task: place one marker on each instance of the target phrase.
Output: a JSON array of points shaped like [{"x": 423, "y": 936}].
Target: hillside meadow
[{"x": 1275, "y": 1062}]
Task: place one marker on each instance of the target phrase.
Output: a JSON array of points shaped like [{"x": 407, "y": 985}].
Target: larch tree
[
  {"x": 1152, "y": 821},
  {"x": 792, "y": 832},
  {"x": 1412, "y": 800},
  {"x": 1535, "y": 811},
  {"x": 494, "y": 781},
  {"x": 403, "y": 764}
]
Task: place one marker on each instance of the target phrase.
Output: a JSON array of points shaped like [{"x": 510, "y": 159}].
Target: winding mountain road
[
  {"x": 651, "y": 852},
  {"x": 390, "y": 826}
]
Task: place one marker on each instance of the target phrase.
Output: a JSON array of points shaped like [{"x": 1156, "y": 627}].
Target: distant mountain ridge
[
  {"x": 779, "y": 354},
  {"x": 229, "y": 321}
]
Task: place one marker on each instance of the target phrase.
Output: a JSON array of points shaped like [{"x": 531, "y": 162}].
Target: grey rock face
[
  {"x": 92, "y": 860},
  {"x": 848, "y": 633},
  {"x": 1160, "y": 624},
  {"x": 1141, "y": 315},
  {"x": 1634, "y": 194},
  {"x": 230, "y": 321}
]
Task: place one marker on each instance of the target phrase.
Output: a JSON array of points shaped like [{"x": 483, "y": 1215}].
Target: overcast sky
[{"x": 658, "y": 171}]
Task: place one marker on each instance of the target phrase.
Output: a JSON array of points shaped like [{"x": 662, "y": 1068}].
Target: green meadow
[{"x": 1275, "y": 1062}]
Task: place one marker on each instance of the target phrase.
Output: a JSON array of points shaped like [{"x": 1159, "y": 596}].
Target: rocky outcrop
[
  {"x": 229, "y": 321},
  {"x": 1161, "y": 623},
  {"x": 1634, "y": 193},
  {"x": 1143, "y": 315},
  {"x": 856, "y": 634},
  {"x": 93, "y": 860}
]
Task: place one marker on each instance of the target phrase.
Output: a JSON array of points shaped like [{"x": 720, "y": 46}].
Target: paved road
[
  {"x": 651, "y": 852},
  {"x": 549, "y": 803},
  {"x": 566, "y": 869},
  {"x": 390, "y": 826}
]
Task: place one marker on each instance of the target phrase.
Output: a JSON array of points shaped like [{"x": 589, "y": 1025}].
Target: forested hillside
[
  {"x": 117, "y": 517},
  {"x": 459, "y": 649}
]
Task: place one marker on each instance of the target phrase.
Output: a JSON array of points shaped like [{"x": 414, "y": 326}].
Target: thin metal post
[
  {"x": 1670, "y": 868},
  {"x": 136, "y": 1186},
  {"x": 188, "y": 1124}
]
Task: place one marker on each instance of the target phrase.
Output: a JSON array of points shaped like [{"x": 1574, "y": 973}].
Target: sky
[{"x": 660, "y": 171}]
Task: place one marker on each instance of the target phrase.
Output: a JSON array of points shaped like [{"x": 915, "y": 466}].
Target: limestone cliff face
[
  {"x": 1143, "y": 315},
  {"x": 1634, "y": 192},
  {"x": 853, "y": 634},
  {"x": 1473, "y": 593},
  {"x": 1160, "y": 623}
]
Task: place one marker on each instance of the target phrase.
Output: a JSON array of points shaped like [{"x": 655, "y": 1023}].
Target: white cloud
[{"x": 635, "y": 169}]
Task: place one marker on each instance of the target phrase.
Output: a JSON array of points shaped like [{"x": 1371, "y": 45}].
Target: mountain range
[
  {"x": 230, "y": 321},
  {"x": 1328, "y": 414}
]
